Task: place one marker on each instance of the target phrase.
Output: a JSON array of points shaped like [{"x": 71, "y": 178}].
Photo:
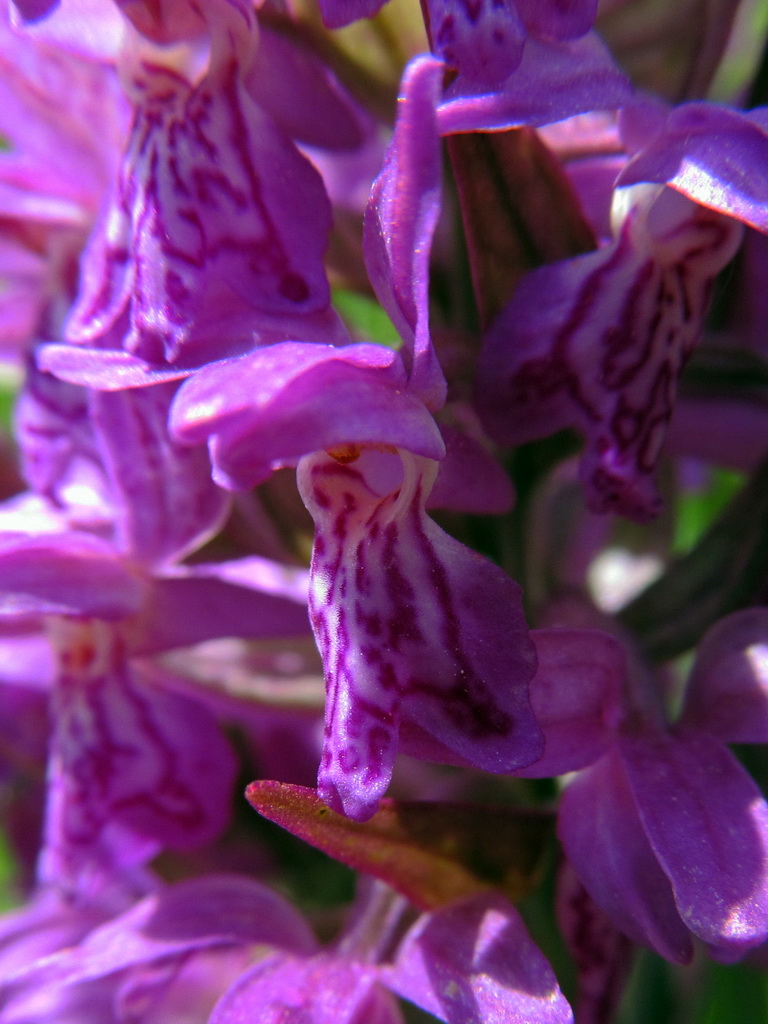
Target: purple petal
[
  {"x": 53, "y": 100},
  {"x": 66, "y": 574},
  {"x": 727, "y": 692},
  {"x": 268, "y": 409},
  {"x": 26, "y": 660},
  {"x": 708, "y": 825},
  {"x": 474, "y": 963},
  {"x": 400, "y": 220},
  {"x": 166, "y": 504},
  {"x": 201, "y": 603},
  {"x": 41, "y": 927},
  {"x": 554, "y": 19},
  {"x": 104, "y": 369},
  {"x": 482, "y": 40},
  {"x": 54, "y": 432},
  {"x": 575, "y": 697},
  {"x": 292, "y": 85},
  {"x": 284, "y": 990},
  {"x": 168, "y": 958},
  {"x": 133, "y": 769},
  {"x": 32, "y": 10},
  {"x": 419, "y": 635},
  {"x": 606, "y": 353},
  {"x": 470, "y": 479},
  {"x": 602, "y": 954},
  {"x": 194, "y": 915},
  {"x": 84, "y": 27},
  {"x": 198, "y": 225},
  {"x": 713, "y": 155},
  {"x": 605, "y": 842},
  {"x": 553, "y": 81}
]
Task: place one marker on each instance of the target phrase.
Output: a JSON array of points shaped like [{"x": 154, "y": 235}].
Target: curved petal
[
  {"x": 66, "y": 574},
  {"x": 181, "y": 919},
  {"x": 708, "y": 825},
  {"x": 204, "y": 602},
  {"x": 166, "y": 504},
  {"x": 400, "y": 220},
  {"x": 575, "y": 696},
  {"x": 727, "y": 691},
  {"x": 423, "y": 641},
  {"x": 217, "y": 219},
  {"x": 605, "y": 842},
  {"x": 713, "y": 155},
  {"x": 321, "y": 990},
  {"x": 553, "y": 81},
  {"x": 474, "y": 963},
  {"x": 270, "y": 408}
]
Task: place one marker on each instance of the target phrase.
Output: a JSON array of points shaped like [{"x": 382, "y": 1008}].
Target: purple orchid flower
[
  {"x": 667, "y": 832},
  {"x": 634, "y": 309},
  {"x": 195, "y": 225},
  {"x": 447, "y": 678},
  {"x": 221, "y": 949},
  {"x": 470, "y": 963},
  {"x": 452, "y": 682},
  {"x": 134, "y": 766}
]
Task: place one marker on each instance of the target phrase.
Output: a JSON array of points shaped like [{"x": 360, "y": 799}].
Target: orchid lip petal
[{"x": 421, "y": 638}]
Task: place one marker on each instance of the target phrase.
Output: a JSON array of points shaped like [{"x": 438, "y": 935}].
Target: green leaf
[
  {"x": 432, "y": 853},
  {"x": 8, "y": 875},
  {"x": 696, "y": 510},
  {"x": 10, "y": 382},
  {"x": 365, "y": 318}
]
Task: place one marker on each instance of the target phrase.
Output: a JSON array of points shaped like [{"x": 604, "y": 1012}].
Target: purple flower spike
[
  {"x": 474, "y": 963},
  {"x": 399, "y": 222},
  {"x": 605, "y": 353},
  {"x": 423, "y": 641}
]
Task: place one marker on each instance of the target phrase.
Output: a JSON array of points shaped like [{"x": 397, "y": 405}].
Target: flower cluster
[{"x": 344, "y": 365}]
